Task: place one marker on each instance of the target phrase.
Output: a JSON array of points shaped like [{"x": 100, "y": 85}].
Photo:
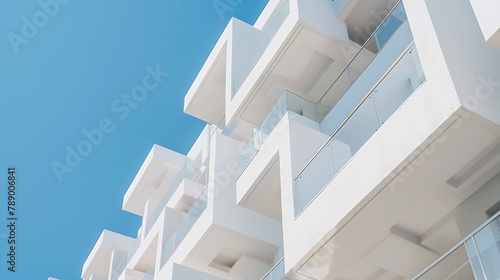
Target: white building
[{"x": 349, "y": 139}]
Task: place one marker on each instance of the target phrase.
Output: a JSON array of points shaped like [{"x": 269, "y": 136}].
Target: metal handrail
[
  {"x": 462, "y": 242},
  {"x": 354, "y": 111},
  {"x": 362, "y": 48},
  {"x": 272, "y": 268},
  {"x": 287, "y": 91}
]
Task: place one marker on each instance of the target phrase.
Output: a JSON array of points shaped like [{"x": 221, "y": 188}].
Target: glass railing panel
[
  {"x": 273, "y": 118},
  {"x": 246, "y": 155},
  {"x": 310, "y": 182},
  {"x": 337, "y": 89},
  {"x": 455, "y": 266},
  {"x": 482, "y": 252},
  {"x": 187, "y": 172},
  {"x": 488, "y": 245},
  {"x": 474, "y": 260},
  {"x": 269, "y": 34},
  {"x": 301, "y": 106},
  {"x": 337, "y": 152},
  {"x": 397, "y": 87},
  {"x": 390, "y": 25},
  {"x": 358, "y": 126},
  {"x": 336, "y": 92},
  {"x": 288, "y": 101},
  {"x": 185, "y": 226},
  {"x": 365, "y": 55},
  {"x": 261, "y": 134}
]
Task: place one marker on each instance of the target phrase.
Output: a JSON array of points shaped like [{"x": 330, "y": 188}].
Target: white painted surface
[{"x": 487, "y": 15}]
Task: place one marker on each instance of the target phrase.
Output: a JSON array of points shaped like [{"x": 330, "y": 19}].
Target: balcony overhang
[
  {"x": 180, "y": 271},
  {"x": 153, "y": 179},
  {"x": 98, "y": 261},
  {"x": 263, "y": 195},
  {"x": 205, "y": 98},
  {"x": 223, "y": 251},
  {"x": 302, "y": 57},
  {"x": 414, "y": 215}
]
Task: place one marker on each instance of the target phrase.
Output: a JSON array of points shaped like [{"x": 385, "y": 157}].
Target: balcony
[
  {"x": 476, "y": 257},
  {"x": 210, "y": 238},
  {"x": 98, "y": 262},
  {"x": 368, "y": 116},
  {"x": 180, "y": 196},
  {"x": 288, "y": 101},
  {"x": 361, "y": 66},
  {"x": 355, "y": 115},
  {"x": 317, "y": 111},
  {"x": 198, "y": 207},
  {"x": 191, "y": 179},
  {"x": 258, "y": 185},
  {"x": 159, "y": 170},
  {"x": 293, "y": 44}
]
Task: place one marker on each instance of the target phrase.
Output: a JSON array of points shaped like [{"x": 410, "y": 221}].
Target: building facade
[{"x": 346, "y": 139}]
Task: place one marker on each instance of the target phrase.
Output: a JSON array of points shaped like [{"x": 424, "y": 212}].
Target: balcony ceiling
[
  {"x": 307, "y": 67},
  {"x": 265, "y": 198},
  {"x": 222, "y": 247},
  {"x": 206, "y": 97}
]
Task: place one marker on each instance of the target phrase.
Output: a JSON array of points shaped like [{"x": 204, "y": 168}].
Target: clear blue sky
[{"x": 63, "y": 71}]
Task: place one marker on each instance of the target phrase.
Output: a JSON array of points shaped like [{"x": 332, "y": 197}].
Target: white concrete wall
[
  {"x": 181, "y": 272},
  {"x": 472, "y": 63},
  {"x": 248, "y": 267},
  {"x": 487, "y": 15}
]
